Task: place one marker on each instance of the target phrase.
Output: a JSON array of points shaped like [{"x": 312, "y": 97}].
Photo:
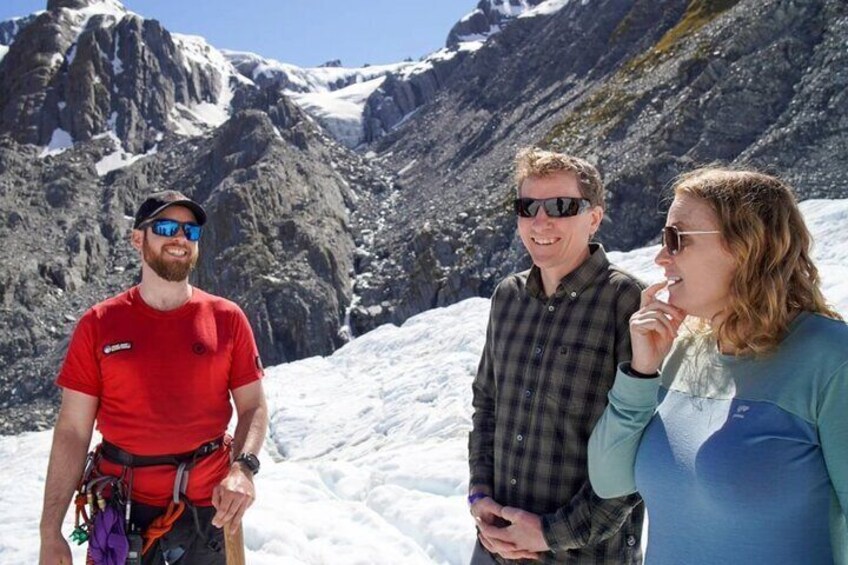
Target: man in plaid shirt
[{"x": 556, "y": 334}]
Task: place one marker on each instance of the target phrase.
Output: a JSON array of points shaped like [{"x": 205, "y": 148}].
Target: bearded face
[{"x": 171, "y": 261}]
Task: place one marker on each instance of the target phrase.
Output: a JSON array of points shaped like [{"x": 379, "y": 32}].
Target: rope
[
  {"x": 82, "y": 518},
  {"x": 162, "y": 525}
]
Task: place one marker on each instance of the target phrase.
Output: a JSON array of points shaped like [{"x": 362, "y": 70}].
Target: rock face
[
  {"x": 403, "y": 93},
  {"x": 84, "y": 74},
  {"x": 644, "y": 89},
  {"x": 280, "y": 235},
  {"x": 293, "y": 79},
  {"x": 489, "y": 16},
  {"x": 10, "y": 28}
]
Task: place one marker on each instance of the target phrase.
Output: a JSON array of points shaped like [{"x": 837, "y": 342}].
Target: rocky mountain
[
  {"x": 488, "y": 18},
  {"x": 646, "y": 89},
  {"x": 136, "y": 109},
  {"x": 99, "y": 106},
  {"x": 333, "y": 95},
  {"x": 360, "y": 105},
  {"x": 79, "y": 69},
  {"x": 9, "y": 30}
]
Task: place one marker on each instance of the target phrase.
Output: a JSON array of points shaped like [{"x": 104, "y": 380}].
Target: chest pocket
[
  {"x": 579, "y": 371},
  {"x": 582, "y": 355}
]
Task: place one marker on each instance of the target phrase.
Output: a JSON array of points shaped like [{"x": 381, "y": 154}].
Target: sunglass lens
[
  {"x": 192, "y": 231},
  {"x": 165, "y": 228},
  {"x": 563, "y": 207},
  {"x": 553, "y": 207},
  {"x": 671, "y": 240},
  {"x": 568, "y": 206},
  {"x": 558, "y": 207},
  {"x": 526, "y": 207},
  {"x": 170, "y": 228}
]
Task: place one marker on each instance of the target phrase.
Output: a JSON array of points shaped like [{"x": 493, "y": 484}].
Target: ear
[
  {"x": 137, "y": 239},
  {"x": 596, "y": 215}
]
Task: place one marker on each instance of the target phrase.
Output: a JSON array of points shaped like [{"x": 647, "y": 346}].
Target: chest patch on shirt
[{"x": 116, "y": 347}]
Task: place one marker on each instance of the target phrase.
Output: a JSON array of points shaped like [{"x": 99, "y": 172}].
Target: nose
[
  {"x": 541, "y": 217},
  {"x": 663, "y": 257}
]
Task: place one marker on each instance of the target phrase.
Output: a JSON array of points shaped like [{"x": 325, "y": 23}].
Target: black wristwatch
[{"x": 250, "y": 461}]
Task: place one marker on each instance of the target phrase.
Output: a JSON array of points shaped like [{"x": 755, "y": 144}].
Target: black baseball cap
[{"x": 158, "y": 201}]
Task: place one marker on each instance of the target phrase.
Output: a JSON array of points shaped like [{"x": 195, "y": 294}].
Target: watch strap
[{"x": 248, "y": 460}]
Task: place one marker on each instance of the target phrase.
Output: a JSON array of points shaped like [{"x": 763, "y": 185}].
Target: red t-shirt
[{"x": 163, "y": 380}]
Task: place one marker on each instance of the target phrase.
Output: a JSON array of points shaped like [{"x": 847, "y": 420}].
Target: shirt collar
[{"x": 572, "y": 284}]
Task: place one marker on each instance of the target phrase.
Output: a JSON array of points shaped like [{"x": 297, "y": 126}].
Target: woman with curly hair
[{"x": 731, "y": 420}]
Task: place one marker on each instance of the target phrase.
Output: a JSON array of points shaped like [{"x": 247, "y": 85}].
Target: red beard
[{"x": 170, "y": 270}]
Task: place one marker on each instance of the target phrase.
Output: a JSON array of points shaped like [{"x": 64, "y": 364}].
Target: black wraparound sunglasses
[
  {"x": 559, "y": 207},
  {"x": 671, "y": 238}
]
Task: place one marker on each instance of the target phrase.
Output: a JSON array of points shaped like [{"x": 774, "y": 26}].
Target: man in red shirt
[{"x": 155, "y": 367}]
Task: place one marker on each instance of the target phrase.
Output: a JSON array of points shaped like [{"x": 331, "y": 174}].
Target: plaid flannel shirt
[{"x": 542, "y": 383}]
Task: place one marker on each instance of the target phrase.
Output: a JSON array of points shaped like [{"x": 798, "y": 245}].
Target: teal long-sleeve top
[{"x": 739, "y": 459}]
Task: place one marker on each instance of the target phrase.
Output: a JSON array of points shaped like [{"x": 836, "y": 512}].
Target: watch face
[{"x": 250, "y": 461}]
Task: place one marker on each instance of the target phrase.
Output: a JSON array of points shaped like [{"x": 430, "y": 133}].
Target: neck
[
  {"x": 715, "y": 322},
  {"x": 550, "y": 281},
  {"x": 163, "y": 295},
  {"x": 551, "y": 276}
]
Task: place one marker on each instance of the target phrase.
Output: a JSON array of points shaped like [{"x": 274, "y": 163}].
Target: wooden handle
[{"x": 234, "y": 545}]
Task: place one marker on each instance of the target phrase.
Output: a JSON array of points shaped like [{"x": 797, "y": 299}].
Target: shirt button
[
  {"x": 528, "y": 393},
  {"x": 573, "y": 294},
  {"x": 513, "y": 482},
  {"x": 519, "y": 437},
  {"x": 538, "y": 351},
  {"x": 551, "y": 308},
  {"x": 631, "y": 541}
]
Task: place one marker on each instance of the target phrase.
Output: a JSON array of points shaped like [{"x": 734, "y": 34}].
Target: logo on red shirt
[{"x": 116, "y": 347}]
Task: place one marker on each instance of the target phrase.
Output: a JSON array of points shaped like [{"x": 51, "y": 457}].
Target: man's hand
[
  {"x": 488, "y": 515},
  {"x": 486, "y": 511},
  {"x": 520, "y": 538},
  {"x": 54, "y": 550},
  {"x": 233, "y": 497},
  {"x": 236, "y": 493}
]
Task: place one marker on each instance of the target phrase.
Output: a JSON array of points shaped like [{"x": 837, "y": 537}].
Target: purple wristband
[{"x": 472, "y": 498}]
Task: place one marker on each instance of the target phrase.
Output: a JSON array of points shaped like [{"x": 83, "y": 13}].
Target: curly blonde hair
[
  {"x": 535, "y": 162},
  {"x": 762, "y": 228}
]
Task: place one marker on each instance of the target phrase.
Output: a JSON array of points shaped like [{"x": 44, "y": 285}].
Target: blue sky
[{"x": 302, "y": 32}]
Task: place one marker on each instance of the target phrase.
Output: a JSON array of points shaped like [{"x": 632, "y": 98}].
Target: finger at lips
[{"x": 649, "y": 294}]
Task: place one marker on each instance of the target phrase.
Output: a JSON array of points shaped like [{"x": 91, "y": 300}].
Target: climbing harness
[{"x": 104, "y": 503}]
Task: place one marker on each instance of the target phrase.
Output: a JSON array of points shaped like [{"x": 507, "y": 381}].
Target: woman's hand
[{"x": 652, "y": 330}]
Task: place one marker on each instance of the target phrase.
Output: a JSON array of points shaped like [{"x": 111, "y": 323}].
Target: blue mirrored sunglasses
[{"x": 170, "y": 228}]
